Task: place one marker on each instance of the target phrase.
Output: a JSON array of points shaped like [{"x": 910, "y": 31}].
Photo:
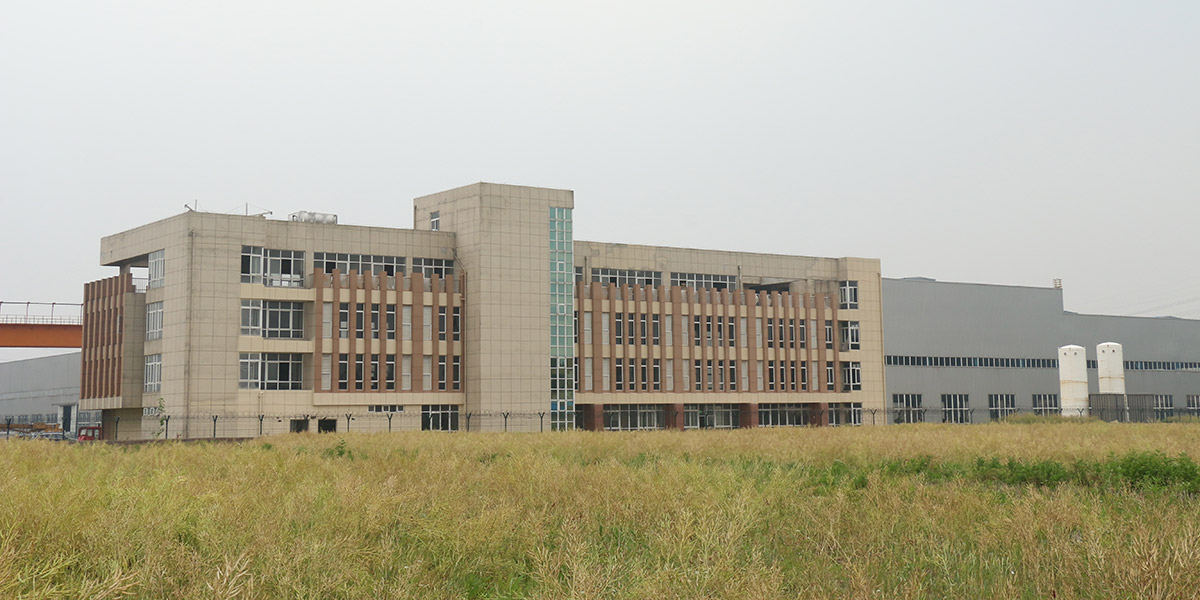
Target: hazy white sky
[{"x": 1003, "y": 142}]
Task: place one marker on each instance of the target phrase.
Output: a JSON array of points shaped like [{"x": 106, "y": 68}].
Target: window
[
  {"x": 154, "y": 321},
  {"x": 758, "y": 333},
  {"x": 1046, "y": 404},
  {"x": 771, "y": 375},
  {"x": 427, "y": 323},
  {"x": 457, "y": 368},
  {"x": 390, "y": 323},
  {"x": 829, "y": 376},
  {"x": 427, "y": 374},
  {"x": 385, "y": 408},
  {"x": 344, "y": 263},
  {"x": 435, "y": 220},
  {"x": 655, "y": 330},
  {"x": 710, "y": 416},
  {"x": 390, "y": 375},
  {"x": 442, "y": 323},
  {"x": 642, "y": 329},
  {"x": 620, "y": 382},
  {"x": 271, "y": 371},
  {"x": 849, "y": 335},
  {"x": 629, "y": 329},
  {"x": 442, "y": 267},
  {"x": 360, "y": 321},
  {"x": 847, "y": 295},
  {"x": 326, "y": 371},
  {"x": 702, "y": 281},
  {"x": 1164, "y": 406},
  {"x": 359, "y": 372},
  {"x": 587, "y": 373},
  {"x": 760, "y": 376},
  {"x": 851, "y": 376},
  {"x": 1193, "y": 404},
  {"x": 770, "y": 333},
  {"x": 405, "y": 323},
  {"x": 783, "y": 415},
  {"x": 627, "y": 277},
  {"x": 439, "y": 417},
  {"x": 457, "y": 323},
  {"x": 441, "y": 372},
  {"x": 829, "y": 335},
  {"x": 374, "y": 371},
  {"x": 745, "y": 375},
  {"x": 956, "y": 408},
  {"x": 1001, "y": 406},
  {"x": 327, "y": 320},
  {"x": 252, "y": 317},
  {"x": 742, "y": 331},
  {"x": 374, "y": 321},
  {"x": 632, "y": 417},
  {"x": 605, "y": 374},
  {"x": 644, "y": 375},
  {"x": 587, "y": 328},
  {"x": 406, "y": 372},
  {"x": 670, "y": 367},
  {"x": 344, "y": 320},
  {"x": 733, "y": 376},
  {"x": 906, "y": 408},
  {"x": 845, "y": 413},
  {"x": 279, "y": 320},
  {"x": 277, "y": 268},
  {"x": 604, "y": 336},
  {"x": 343, "y": 371},
  {"x": 152, "y": 381},
  {"x": 158, "y": 268},
  {"x": 697, "y": 334}
]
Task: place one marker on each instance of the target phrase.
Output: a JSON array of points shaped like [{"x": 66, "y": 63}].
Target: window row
[
  {"x": 361, "y": 317},
  {"x": 374, "y": 372},
  {"x": 285, "y": 268},
  {"x": 704, "y": 280},
  {"x": 154, "y": 321},
  {"x": 970, "y": 361},
  {"x": 626, "y": 277},
  {"x": 632, "y": 374},
  {"x": 655, "y": 330},
  {"x": 955, "y": 408}
]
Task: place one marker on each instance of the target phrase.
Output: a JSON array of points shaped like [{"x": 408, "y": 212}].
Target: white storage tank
[
  {"x": 1110, "y": 368},
  {"x": 1072, "y": 381}
]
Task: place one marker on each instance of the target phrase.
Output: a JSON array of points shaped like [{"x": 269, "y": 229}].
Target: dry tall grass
[{"x": 802, "y": 513}]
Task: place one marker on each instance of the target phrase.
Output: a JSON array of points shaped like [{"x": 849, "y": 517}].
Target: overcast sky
[{"x": 1002, "y": 142}]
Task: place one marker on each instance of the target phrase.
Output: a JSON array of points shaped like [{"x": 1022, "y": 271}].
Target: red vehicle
[{"x": 90, "y": 434}]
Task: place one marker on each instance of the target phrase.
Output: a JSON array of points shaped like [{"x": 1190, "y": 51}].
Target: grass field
[{"x": 1064, "y": 510}]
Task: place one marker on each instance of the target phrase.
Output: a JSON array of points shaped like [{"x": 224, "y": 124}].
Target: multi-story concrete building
[
  {"x": 487, "y": 316},
  {"x": 963, "y": 352}
]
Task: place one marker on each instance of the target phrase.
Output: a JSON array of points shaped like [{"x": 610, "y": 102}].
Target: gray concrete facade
[{"x": 938, "y": 336}]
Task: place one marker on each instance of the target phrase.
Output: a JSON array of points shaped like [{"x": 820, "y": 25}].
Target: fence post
[
  {"x": 541, "y": 416},
  {"x": 214, "y": 418},
  {"x": 468, "y": 421},
  {"x": 390, "y": 415},
  {"x": 116, "y": 427},
  {"x": 7, "y": 426},
  {"x": 166, "y": 427},
  {"x": 260, "y": 422},
  {"x": 348, "y": 415},
  {"x": 505, "y": 413}
]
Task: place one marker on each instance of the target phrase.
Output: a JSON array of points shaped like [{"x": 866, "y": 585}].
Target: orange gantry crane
[{"x": 41, "y": 325}]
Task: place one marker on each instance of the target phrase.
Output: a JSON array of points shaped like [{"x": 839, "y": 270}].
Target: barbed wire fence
[{"x": 246, "y": 425}]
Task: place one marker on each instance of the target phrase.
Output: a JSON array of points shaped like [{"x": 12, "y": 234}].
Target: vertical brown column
[
  {"x": 755, "y": 347},
  {"x": 748, "y": 415},
  {"x": 677, "y": 336},
  {"x": 834, "y": 354},
  {"x": 435, "y": 284},
  {"x": 821, "y": 416},
  {"x": 593, "y": 417},
  {"x": 339, "y": 345},
  {"x": 823, "y": 381},
  {"x": 318, "y": 279},
  {"x": 599, "y": 342},
  {"x": 418, "y": 331},
  {"x": 675, "y": 416}
]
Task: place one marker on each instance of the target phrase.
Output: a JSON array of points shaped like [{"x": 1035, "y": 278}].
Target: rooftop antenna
[{"x": 190, "y": 209}]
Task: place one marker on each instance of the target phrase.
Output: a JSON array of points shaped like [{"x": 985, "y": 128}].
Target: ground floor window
[
  {"x": 1164, "y": 407},
  {"x": 1001, "y": 406},
  {"x": 906, "y": 408},
  {"x": 1046, "y": 404},
  {"x": 710, "y": 416},
  {"x": 956, "y": 408},
  {"x": 783, "y": 415},
  {"x": 631, "y": 417},
  {"x": 298, "y": 426},
  {"x": 326, "y": 426},
  {"x": 439, "y": 417},
  {"x": 845, "y": 413},
  {"x": 562, "y": 415}
]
